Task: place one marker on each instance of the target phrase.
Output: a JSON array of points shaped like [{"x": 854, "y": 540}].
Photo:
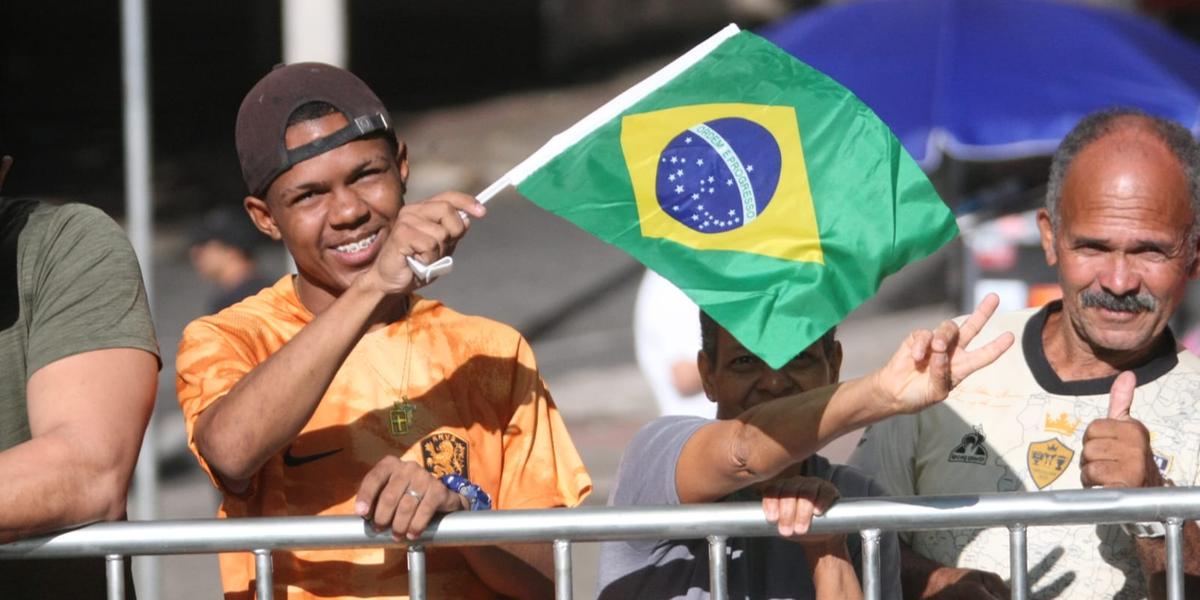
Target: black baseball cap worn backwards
[{"x": 263, "y": 115}]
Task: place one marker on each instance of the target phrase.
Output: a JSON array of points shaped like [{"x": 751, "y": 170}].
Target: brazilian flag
[{"x": 768, "y": 193}]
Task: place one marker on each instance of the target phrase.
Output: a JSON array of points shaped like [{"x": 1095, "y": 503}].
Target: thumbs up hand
[
  {"x": 1116, "y": 449},
  {"x": 1120, "y": 397}
]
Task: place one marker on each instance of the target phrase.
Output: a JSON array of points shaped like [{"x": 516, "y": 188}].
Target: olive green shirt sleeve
[{"x": 84, "y": 288}]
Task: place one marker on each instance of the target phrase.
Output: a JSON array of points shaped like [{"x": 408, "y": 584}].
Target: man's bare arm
[
  {"x": 924, "y": 578},
  {"x": 1117, "y": 454},
  {"x": 1152, "y": 555},
  {"x": 87, "y": 415},
  {"x": 269, "y": 407},
  {"x": 727, "y": 455}
]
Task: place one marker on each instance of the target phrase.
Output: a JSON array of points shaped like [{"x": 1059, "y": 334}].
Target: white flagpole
[
  {"x": 611, "y": 109},
  {"x": 578, "y": 131}
]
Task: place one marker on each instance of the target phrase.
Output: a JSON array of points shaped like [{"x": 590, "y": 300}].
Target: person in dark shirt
[{"x": 222, "y": 252}]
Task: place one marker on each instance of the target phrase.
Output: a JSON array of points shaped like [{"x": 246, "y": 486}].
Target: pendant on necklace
[{"x": 401, "y": 416}]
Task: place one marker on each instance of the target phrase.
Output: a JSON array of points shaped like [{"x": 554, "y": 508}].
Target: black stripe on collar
[{"x": 1160, "y": 363}]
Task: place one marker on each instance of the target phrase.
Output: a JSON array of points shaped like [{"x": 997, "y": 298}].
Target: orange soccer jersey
[{"x": 476, "y": 406}]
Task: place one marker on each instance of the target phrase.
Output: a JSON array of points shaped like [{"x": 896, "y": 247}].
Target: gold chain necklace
[{"x": 400, "y": 418}]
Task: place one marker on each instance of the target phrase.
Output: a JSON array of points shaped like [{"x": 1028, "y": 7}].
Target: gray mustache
[{"x": 1128, "y": 303}]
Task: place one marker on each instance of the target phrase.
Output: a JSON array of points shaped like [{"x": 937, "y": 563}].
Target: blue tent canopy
[{"x": 994, "y": 79}]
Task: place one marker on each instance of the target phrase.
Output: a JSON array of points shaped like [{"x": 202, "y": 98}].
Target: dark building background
[
  {"x": 60, "y": 73},
  {"x": 61, "y": 96}
]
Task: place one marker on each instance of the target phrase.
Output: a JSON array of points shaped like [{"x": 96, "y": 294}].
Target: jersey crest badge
[
  {"x": 445, "y": 454},
  {"x": 970, "y": 449},
  {"x": 1048, "y": 460}
]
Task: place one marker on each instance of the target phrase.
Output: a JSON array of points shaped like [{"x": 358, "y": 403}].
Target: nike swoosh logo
[{"x": 292, "y": 460}]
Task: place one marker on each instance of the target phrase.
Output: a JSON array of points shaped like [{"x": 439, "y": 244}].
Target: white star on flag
[{"x": 679, "y": 189}]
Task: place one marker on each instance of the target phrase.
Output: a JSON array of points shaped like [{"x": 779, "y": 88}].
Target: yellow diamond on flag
[{"x": 723, "y": 177}]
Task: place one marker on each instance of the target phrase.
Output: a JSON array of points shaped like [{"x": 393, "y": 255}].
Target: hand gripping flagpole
[
  {"x": 557, "y": 144},
  {"x": 427, "y": 273}
]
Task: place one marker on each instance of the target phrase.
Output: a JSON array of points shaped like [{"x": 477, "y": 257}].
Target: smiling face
[
  {"x": 332, "y": 211},
  {"x": 1122, "y": 246},
  {"x": 736, "y": 379}
]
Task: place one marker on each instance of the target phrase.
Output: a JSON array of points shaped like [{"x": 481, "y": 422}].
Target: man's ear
[
  {"x": 260, "y": 215},
  {"x": 1194, "y": 268},
  {"x": 706, "y": 375},
  {"x": 402, "y": 161},
  {"x": 1046, "y": 228}
]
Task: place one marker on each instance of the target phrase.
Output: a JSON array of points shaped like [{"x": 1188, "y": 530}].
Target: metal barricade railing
[{"x": 715, "y": 522}]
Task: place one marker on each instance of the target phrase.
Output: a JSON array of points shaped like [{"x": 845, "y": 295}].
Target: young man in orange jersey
[{"x": 339, "y": 390}]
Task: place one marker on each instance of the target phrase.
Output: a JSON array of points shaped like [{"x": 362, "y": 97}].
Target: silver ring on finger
[{"x": 415, "y": 494}]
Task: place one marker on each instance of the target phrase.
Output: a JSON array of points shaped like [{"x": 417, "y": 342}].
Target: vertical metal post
[
  {"x": 416, "y": 572},
  {"x": 139, "y": 216},
  {"x": 264, "y": 575},
  {"x": 718, "y": 568},
  {"x": 1175, "y": 558},
  {"x": 872, "y": 582},
  {"x": 114, "y": 569},
  {"x": 1018, "y": 561},
  {"x": 562, "y": 569}
]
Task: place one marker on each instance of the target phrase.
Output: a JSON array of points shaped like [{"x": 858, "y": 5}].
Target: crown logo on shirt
[{"x": 1062, "y": 424}]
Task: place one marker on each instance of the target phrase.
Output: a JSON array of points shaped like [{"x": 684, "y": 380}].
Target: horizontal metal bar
[{"x": 616, "y": 523}]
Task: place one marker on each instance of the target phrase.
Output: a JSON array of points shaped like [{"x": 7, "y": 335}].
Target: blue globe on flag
[{"x": 718, "y": 175}]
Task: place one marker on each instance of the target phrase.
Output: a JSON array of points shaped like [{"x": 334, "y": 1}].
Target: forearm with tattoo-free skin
[
  {"x": 833, "y": 573},
  {"x": 1152, "y": 556},
  {"x": 766, "y": 439},
  {"x": 730, "y": 454},
  {"x": 87, "y": 413},
  {"x": 921, "y": 578},
  {"x": 1117, "y": 454},
  {"x": 269, "y": 407}
]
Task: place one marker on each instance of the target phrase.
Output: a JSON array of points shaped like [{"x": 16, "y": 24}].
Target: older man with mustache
[{"x": 1096, "y": 394}]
